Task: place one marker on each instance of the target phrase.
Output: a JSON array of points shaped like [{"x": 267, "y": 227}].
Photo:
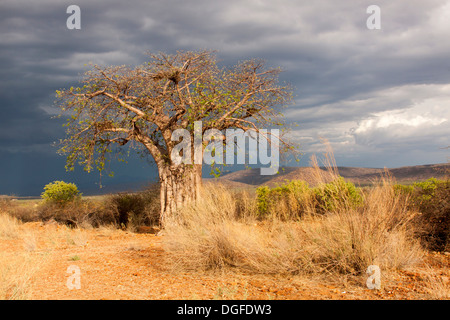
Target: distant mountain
[
  {"x": 251, "y": 178},
  {"x": 360, "y": 176}
]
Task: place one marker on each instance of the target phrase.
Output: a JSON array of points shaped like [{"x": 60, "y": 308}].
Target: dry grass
[
  {"x": 437, "y": 287},
  {"x": 377, "y": 233},
  {"x": 16, "y": 268},
  {"x": 219, "y": 232},
  {"x": 16, "y": 272},
  {"x": 29, "y": 241},
  {"x": 23, "y": 210},
  {"x": 9, "y": 226},
  {"x": 77, "y": 237},
  {"x": 28, "y": 251}
]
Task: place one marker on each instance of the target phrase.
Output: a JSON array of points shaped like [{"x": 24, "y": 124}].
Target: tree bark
[{"x": 180, "y": 185}]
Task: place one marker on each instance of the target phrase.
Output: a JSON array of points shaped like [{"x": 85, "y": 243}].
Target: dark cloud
[{"x": 364, "y": 90}]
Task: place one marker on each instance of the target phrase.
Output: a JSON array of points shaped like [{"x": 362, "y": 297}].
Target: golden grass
[
  {"x": 27, "y": 253},
  {"x": 219, "y": 232},
  {"x": 16, "y": 268},
  {"x": 437, "y": 287},
  {"x": 16, "y": 273},
  {"x": 9, "y": 226}
]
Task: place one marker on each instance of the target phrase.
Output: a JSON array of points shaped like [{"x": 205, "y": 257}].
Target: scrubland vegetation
[
  {"x": 121, "y": 210},
  {"x": 293, "y": 229},
  {"x": 296, "y": 229}
]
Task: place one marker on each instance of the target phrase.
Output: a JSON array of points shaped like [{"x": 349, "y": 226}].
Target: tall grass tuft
[
  {"x": 16, "y": 273},
  {"x": 217, "y": 233},
  {"x": 16, "y": 268},
  {"x": 9, "y": 226}
]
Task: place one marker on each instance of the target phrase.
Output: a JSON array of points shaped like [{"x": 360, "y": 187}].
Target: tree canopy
[{"x": 144, "y": 105}]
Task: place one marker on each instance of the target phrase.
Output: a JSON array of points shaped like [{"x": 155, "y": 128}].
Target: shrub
[
  {"x": 127, "y": 205},
  {"x": 426, "y": 189},
  {"x": 295, "y": 198},
  {"x": 262, "y": 196},
  {"x": 22, "y": 211},
  {"x": 337, "y": 194},
  {"x": 135, "y": 209},
  {"x": 432, "y": 199},
  {"x": 60, "y": 192},
  {"x": 81, "y": 213},
  {"x": 401, "y": 189},
  {"x": 289, "y": 200}
]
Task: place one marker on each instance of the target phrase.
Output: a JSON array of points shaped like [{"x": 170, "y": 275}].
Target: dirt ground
[{"x": 116, "y": 264}]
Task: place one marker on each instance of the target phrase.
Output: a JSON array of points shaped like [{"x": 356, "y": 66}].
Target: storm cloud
[{"x": 381, "y": 97}]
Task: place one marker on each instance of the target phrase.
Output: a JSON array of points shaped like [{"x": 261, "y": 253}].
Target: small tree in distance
[
  {"x": 60, "y": 192},
  {"x": 119, "y": 105}
]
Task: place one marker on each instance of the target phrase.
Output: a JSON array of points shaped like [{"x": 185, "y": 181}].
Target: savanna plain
[{"x": 293, "y": 240}]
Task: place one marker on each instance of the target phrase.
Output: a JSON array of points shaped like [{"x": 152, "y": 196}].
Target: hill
[{"x": 251, "y": 178}]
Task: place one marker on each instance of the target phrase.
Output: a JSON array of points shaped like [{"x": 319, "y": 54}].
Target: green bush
[
  {"x": 294, "y": 198},
  {"x": 289, "y": 200},
  {"x": 60, "y": 192},
  {"x": 426, "y": 189},
  {"x": 432, "y": 199},
  {"x": 262, "y": 196},
  {"x": 400, "y": 189},
  {"x": 337, "y": 194}
]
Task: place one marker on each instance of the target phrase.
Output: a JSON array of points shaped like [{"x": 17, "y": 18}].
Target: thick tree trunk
[{"x": 180, "y": 185}]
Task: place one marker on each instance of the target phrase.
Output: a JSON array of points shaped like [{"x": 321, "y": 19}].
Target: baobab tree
[{"x": 143, "y": 106}]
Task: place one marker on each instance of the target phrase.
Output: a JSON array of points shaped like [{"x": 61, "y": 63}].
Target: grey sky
[{"x": 381, "y": 97}]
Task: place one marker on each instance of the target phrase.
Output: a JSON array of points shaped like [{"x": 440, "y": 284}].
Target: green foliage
[
  {"x": 400, "y": 189},
  {"x": 60, "y": 192},
  {"x": 287, "y": 200},
  {"x": 262, "y": 196},
  {"x": 293, "y": 198},
  {"x": 427, "y": 188},
  {"x": 432, "y": 199},
  {"x": 420, "y": 192},
  {"x": 337, "y": 194}
]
